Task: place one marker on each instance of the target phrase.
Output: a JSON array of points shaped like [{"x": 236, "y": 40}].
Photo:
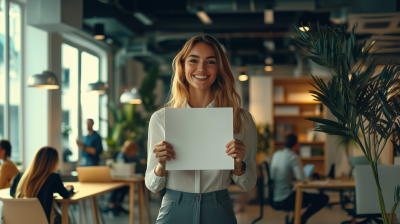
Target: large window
[
  {"x": 10, "y": 76},
  {"x": 89, "y": 100},
  {"x": 69, "y": 102},
  {"x": 74, "y": 93}
]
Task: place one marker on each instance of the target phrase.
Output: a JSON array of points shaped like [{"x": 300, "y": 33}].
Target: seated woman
[
  {"x": 8, "y": 169},
  {"x": 130, "y": 154},
  {"x": 41, "y": 180}
]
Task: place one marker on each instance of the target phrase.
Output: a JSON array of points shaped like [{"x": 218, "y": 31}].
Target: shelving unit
[{"x": 295, "y": 94}]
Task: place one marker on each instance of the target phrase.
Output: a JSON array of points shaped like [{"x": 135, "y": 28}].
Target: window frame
[
  {"x": 101, "y": 58},
  {"x": 6, "y": 123}
]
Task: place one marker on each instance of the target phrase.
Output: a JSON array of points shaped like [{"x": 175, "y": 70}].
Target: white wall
[
  {"x": 260, "y": 90},
  {"x": 35, "y": 110}
]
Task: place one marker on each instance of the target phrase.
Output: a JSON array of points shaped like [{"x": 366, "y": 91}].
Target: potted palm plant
[
  {"x": 264, "y": 136},
  {"x": 361, "y": 100}
]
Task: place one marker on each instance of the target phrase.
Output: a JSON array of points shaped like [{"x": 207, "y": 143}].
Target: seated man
[
  {"x": 8, "y": 170},
  {"x": 130, "y": 154},
  {"x": 286, "y": 163}
]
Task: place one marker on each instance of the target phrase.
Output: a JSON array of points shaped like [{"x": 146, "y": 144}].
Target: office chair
[{"x": 270, "y": 184}]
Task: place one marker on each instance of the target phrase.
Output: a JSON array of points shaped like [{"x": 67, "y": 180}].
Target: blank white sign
[{"x": 199, "y": 137}]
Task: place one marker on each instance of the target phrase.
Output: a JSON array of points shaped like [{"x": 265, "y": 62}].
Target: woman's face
[{"x": 201, "y": 66}]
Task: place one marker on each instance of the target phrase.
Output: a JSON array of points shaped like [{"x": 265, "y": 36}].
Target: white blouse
[{"x": 200, "y": 181}]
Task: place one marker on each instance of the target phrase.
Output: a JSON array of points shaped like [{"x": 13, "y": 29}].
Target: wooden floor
[{"x": 334, "y": 215}]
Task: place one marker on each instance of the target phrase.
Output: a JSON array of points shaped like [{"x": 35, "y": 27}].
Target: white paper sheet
[{"x": 199, "y": 137}]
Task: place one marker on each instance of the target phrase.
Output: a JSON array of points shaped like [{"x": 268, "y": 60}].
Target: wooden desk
[
  {"x": 131, "y": 181},
  {"x": 84, "y": 191},
  {"x": 334, "y": 184}
]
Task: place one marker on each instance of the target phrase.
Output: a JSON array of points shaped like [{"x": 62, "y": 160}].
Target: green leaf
[{"x": 330, "y": 123}]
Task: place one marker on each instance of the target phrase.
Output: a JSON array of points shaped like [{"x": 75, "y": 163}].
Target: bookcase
[{"x": 292, "y": 103}]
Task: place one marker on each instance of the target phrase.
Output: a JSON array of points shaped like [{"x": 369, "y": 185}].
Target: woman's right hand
[{"x": 163, "y": 151}]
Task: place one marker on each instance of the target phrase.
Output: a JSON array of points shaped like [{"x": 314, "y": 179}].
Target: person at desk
[
  {"x": 41, "y": 180},
  {"x": 130, "y": 154},
  {"x": 202, "y": 79},
  {"x": 286, "y": 163},
  {"x": 8, "y": 169},
  {"x": 91, "y": 146}
]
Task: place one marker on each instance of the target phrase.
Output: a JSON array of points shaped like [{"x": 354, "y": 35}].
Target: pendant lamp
[
  {"x": 132, "y": 97},
  {"x": 98, "y": 87},
  {"x": 45, "y": 80}
]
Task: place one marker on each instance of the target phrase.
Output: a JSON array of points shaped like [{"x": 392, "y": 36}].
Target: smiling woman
[{"x": 202, "y": 79}]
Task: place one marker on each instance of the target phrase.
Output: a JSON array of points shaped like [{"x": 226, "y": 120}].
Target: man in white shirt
[{"x": 284, "y": 165}]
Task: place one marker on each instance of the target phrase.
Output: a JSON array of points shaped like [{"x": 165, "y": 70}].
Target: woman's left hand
[{"x": 236, "y": 149}]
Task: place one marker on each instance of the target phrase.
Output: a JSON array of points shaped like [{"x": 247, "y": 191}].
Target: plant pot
[{"x": 260, "y": 157}]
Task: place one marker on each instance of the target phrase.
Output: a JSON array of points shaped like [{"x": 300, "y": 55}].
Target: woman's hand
[
  {"x": 163, "y": 151},
  {"x": 69, "y": 187},
  {"x": 236, "y": 149}
]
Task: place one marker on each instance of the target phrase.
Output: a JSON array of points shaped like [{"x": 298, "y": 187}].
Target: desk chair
[
  {"x": 29, "y": 207},
  {"x": 264, "y": 169},
  {"x": 366, "y": 196}
]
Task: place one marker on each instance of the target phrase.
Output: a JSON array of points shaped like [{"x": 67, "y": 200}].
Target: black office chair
[{"x": 260, "y": 185}]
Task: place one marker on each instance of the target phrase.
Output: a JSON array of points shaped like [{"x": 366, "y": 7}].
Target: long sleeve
[
  {"x": 7, "y": 171},
  {"x": 297, "y": 169},
  {"x": 248, "y": 180},
  {"x": 14, "y": 185},
  {"x": 59, "y": 187},
  {"x": 98, "y": 145},
  {"x": 156, "y": 134}
]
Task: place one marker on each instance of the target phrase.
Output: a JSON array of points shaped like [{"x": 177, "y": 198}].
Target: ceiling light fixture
[
  {"x": 204, "y": 17},
  {"x": 99, "y": 31},
  {"x": 268, "y": 16},
  {"x": 269, "y": 60},
  {"x": 45, "y": 80},
  {"x": 306, "y": 28},
  {"x": 243, "y": 77},
  {"x": 98, "y": 87},
  {"x": 268, "y": 68},
  {"x": 132, "y": 97},
  {"x": 143, "y": 18}
]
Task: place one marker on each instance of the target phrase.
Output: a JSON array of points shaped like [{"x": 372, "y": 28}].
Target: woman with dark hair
[
  {"x": 202, "y": 79},
  {"x": 8, "y": 169}
]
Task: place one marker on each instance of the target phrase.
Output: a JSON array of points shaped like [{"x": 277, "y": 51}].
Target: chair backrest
[
  {"x": 23, "y": 210},
  {"x": 367, "y": 201},
  {"x": 94, "y": 174},
  {"x": 270, "y": 185}
]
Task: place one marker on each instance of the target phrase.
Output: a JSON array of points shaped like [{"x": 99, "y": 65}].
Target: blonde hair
[
  {"x": 128, "y": 144},
  {"x": 223, "y": 90},
  {"x": 43, "y": 164}
]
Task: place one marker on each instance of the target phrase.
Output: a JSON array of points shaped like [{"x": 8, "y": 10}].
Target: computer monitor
[
  {"x": 308, "y": 170},
  {"x": 94, "y": 174}
]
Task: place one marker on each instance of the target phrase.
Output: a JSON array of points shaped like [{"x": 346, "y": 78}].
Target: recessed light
[{"x": 268, "y": 68}]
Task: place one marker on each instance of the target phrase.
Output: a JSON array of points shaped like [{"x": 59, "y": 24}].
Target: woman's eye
[
  {"x": 192, "y": 61},
  {"x": 211, "y": 62}
]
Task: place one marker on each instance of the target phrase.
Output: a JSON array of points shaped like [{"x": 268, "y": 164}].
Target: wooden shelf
[
  {"x": 296, "y": 103},
  {"x": 303, "y": 143},
  {"x": 297, "y": 116},
  {"x": 315, "y": 158}
]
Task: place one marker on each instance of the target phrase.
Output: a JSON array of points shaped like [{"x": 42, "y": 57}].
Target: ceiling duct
[
  {"x": 375, "y": 23},
  {"x": 55, "y": 15}
]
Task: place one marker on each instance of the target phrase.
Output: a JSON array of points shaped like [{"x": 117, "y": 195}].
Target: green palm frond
[{"x": 360, "y": 100}]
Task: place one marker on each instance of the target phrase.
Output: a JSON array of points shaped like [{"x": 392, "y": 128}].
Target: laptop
[
  {"x": 94, "y": 174},
  {"x": 308, "y": 170}
]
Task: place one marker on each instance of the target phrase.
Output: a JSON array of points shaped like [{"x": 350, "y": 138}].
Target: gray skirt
[{"x": 207, "y": 208}]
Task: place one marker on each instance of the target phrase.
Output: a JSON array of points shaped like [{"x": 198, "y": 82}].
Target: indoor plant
[
  {"x": 359, "y": 100},
  {"x": 264, "y": 136}
]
